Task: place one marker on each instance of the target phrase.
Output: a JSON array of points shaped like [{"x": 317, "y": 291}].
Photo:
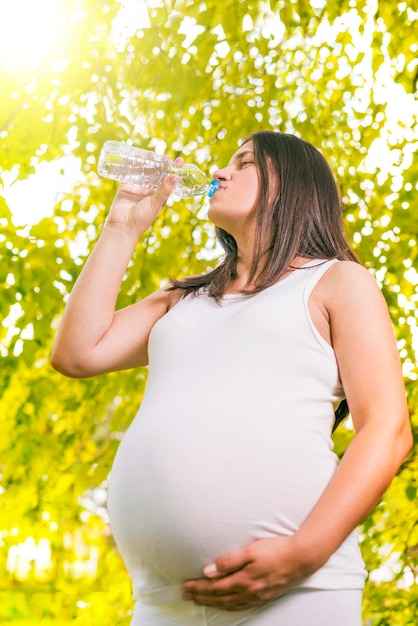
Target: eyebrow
[{"x": 241, "y": 155}]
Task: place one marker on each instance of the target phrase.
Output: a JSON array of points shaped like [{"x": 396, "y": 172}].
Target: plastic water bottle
[{"x": 132, "y": 165}]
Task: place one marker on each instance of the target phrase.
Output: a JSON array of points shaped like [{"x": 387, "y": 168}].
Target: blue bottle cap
[{"x": 213, "y": 187}]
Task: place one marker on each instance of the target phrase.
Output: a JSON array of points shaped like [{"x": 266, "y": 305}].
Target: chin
[
  {"x": 217, "y": 219},
  {"x": 213, "y": 215}
]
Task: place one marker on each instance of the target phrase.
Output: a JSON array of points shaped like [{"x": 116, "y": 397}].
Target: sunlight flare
[{"x": 31, "y": 33}]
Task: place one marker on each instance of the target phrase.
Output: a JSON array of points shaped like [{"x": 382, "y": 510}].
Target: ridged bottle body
[{"x": 132, "y": 165}]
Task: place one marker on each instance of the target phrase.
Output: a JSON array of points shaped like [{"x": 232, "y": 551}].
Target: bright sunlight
[{"x": 31, "y": 32}]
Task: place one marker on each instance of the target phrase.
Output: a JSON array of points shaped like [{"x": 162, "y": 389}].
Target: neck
[
  {"x": 243, "y": 274},
  {"x": 244, "y": 263}
]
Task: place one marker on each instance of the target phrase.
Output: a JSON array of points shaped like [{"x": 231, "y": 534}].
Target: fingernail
[{"x": 210, "y": 570}]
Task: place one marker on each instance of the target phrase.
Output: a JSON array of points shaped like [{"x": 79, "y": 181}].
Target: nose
[{"x": 222, "y": 174}]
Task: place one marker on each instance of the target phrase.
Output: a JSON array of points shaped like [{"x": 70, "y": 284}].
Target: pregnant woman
[{"x": 226, "y": 500}]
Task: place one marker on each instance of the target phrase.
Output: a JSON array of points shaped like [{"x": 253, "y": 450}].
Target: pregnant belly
[{"x": 181, "y": 495}]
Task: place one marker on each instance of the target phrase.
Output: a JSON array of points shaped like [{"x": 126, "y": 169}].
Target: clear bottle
[{"x": 132, "y": 165}]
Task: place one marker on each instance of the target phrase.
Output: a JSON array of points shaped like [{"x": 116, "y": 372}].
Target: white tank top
[{"x": 232, "y": 439}]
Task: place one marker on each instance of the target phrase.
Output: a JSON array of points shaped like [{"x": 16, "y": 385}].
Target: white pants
[{"x": 302, "y": 607}]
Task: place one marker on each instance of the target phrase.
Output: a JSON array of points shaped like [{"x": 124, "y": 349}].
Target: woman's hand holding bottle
[{"x": 134, "y": 208}]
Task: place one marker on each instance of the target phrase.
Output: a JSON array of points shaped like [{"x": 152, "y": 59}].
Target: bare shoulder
[
  {"x": 160, "y": 301},
  {"x": 345, "y": 273},
  {"x": 174, "y": 296},
  {"x": 347, "y": 281}
]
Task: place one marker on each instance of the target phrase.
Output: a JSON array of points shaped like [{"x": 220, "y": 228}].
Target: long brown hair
[{"x": 299, "y": 213}]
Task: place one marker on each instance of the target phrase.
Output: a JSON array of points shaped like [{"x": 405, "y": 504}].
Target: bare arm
[
  {"x": 93, "y": 338},
  {"x": 365, "y": 347},
  {"x": 368, "y": 360}
]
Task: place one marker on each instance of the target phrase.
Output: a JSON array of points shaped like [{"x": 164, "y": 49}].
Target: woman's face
[{"x": 234, "y": 204}]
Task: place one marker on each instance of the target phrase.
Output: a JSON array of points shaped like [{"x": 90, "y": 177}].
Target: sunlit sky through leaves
[{"x": 34, "y": 33}]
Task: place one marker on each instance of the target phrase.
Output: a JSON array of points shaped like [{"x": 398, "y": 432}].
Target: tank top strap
[{"x": 320, "y": 268}]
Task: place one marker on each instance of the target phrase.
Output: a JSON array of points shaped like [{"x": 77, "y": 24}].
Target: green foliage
[{"x": 191, "y": 78}]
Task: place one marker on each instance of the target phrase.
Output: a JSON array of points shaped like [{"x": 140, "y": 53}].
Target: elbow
[
  {"x": 407, "y": 440},
  {"x": 393, "y": 438},
  {"x": 67, "y": 366},
  {"x": 402, "y": 441}
]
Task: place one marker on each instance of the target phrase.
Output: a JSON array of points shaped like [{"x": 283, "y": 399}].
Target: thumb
[
  {"x": 227, "y": 564},
  {"x": 160, "y": 197}
]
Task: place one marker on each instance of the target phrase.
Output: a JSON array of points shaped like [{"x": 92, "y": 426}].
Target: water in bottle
[{"x": 132, "y": 165}]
